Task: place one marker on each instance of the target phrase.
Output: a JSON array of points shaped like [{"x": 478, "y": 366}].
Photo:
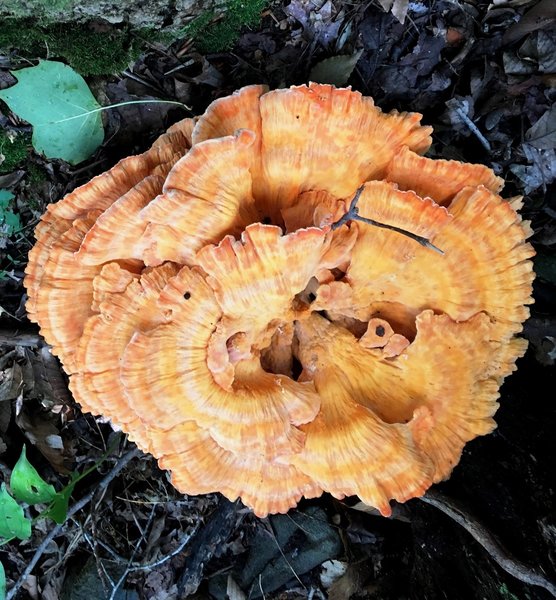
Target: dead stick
[
  {"x": 218, "y": 528},
  {"x": 502, "y": 558},
  {"x": 353, "y": 215},
  {"x": 104, "y": 482}
]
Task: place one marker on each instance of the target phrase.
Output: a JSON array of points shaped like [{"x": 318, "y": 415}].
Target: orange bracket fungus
[{"x": 284, "y": 297}]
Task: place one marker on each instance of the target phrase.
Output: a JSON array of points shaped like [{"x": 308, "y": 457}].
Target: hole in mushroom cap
[
  {"x": 400, "y": 318},
  {"x": 278, "y": 356},
  {"x": 306, "y": 297}
]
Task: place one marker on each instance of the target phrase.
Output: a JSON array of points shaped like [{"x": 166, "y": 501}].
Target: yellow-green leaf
[
  {"x": 13, "y": 523},
  {"x": 27, "y": 485}
]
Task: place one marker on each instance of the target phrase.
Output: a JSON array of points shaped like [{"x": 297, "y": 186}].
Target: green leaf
[
  {"x": 8, "y": 220},
  {"x": 13, "y": 523},
  {"x": 57, "y": 102},
  {"x": 2, "y": 582},
  {"x": 58, "y": 509},
  {"x": 5, "y": 197},
  {"x": 27, "y": 485}
]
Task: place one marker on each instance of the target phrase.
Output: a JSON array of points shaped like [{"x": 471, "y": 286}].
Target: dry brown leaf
[
  {"x": 349, "y": 584},
  {"x": 42, "y": 433},
  {"x": 397, "y": 7},
  {"x": 541, "y": 16},
  {"x": 335, "y": 70}
]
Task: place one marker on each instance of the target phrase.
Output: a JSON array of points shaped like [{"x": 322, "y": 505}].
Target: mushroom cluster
[{"x": 228, "y": 300}]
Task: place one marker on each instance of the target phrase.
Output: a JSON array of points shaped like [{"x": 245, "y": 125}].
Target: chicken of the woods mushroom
[{"x": 225, "y": 301}]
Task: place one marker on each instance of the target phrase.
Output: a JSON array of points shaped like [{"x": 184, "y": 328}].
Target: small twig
[
  {"x": 495, "y": 550},
  {"x": 127, "y": 73},
  {"x": 110, "y": 106},
  {"x": 104, "y": 482},
  {"x": 106, "y": 574},
  {"x": 353, "y": 215},
  {"x": 116, "y": 586},
  {"x": 93, "y": 543},
  {"x": 137, "y": 566},
  {"x": 474, "y": 129},
  {"x": 261, "y": 586},
  {"x": 166, "y": 557}
]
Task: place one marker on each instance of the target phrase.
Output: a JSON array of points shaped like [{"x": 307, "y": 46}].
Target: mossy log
[{"x": 162, "y": 15}]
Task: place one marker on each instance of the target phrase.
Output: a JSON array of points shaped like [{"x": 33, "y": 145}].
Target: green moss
[
  {"x": 35, "y": 175},
  {"x": 505, "y": 592},
  {"x": 14, "y": 150},
  {"x": 222, "y": 34},
  {"x": 89, "y": 52}
]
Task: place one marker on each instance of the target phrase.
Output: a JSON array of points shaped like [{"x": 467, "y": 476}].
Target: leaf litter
[{"x": 483, "y": 74}]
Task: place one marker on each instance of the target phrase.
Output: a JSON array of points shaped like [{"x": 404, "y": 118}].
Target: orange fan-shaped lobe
[
  {"x": 226, "y": 115},
  {"x": 350, "y": 449},
  {"x": 118, "y": 232},
  {"x": 264, "y": 269},
  {"x": 440, "y": 405},
  {"x": 100, "y": 193},
  {"x": 456, "y": 370},
  {"x": 389, "y": 271},
  {"x": 205, "y": 298},
  {"x": 259, "y": 415},
  {"x": 205, "y": 196},
  {"x": 128, "y": 305},
  {"x": 199, "y": 465},
  {"x": 58, "y": 283},
  {"x": 306, "y": 129},
  {"x": 440, "y": 180}
]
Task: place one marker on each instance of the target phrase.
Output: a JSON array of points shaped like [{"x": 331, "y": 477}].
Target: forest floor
[{"x": 483, "y": 74}]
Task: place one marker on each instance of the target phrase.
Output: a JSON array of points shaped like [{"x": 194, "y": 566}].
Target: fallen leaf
[
  {"x": 331, "y": 571},
  {"x": 49, "y": 383},
  {"x": 39, "y": 429},
  {"x": 59, "y": 104},
  {"x": 397, "y": 7},
  {"x": 541, "y": 16},
  {"x": 536, "y": 55},
  {"x": 540, "y": 172},
  {"x": 335, "y": 70},
  {"x": 11, "y": 179},
  {"x": 11, "y": 382},
  {"x": 542, "y": 134},
  {"x": 233, "y": 591},
  {"x": 320, "y": 21}
]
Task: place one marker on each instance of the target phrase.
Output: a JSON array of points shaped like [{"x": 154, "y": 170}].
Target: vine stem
[{"x": 101, "y": 108}]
